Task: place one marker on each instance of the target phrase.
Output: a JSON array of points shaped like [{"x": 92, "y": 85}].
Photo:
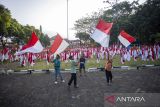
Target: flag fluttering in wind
[
  {"x": 125, "y": 38},
  {"x": 59, "y": 45},
  {"x": 33, "y": 46},
  {"x": 101, "y": 33}
]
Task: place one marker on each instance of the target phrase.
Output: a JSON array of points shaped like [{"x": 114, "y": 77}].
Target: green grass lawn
[{"x": 90, "y": 63}]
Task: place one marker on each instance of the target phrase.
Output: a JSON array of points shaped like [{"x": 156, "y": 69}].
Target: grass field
[{"x": 90, "y": 63}]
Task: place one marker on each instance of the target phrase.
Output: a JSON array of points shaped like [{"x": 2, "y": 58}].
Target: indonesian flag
[
  {"x": 125, "y": 38},
  {"x": 59, "y": 45},
  {"x": 101, "y": 33},
  {"x": 33, "y": 46}
]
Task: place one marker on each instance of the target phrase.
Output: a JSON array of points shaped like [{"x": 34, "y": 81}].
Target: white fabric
[
  {"x": 101, "y": 37},
  {"x": 124, "y": 41},
  {"x": 37, "y": 48},
  {"x": 62, "y": 47}
]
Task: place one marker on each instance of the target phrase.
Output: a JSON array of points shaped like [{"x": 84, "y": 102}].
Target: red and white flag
[
  {"x": 33, "y": 46},
  {"x": 125, "y": 38},
  {"x": 59, "y": 45},
  {"x": 101, "y": 33}
]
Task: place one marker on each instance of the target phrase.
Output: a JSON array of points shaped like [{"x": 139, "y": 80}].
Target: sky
[{"x": 52, "y": 14}]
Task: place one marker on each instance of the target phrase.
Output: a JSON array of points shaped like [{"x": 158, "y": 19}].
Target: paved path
[{"x": 38, "y": 90}]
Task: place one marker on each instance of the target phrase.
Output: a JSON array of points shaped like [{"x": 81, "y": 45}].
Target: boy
[
  {"x": 73, "y": 73},
  {"x": 57, "y": 65},
  {"x": 82, "y": 64}
]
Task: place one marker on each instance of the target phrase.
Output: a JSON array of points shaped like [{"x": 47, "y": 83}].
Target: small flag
[
  {"x": 125, "y": 38},
  {"x": 59, "y": 45},
  {"x": 101, "y": 33},
  {"x": 33, "y": 46}
]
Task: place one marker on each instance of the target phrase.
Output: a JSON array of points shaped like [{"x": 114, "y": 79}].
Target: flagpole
[{"x": 67, "y": 20}]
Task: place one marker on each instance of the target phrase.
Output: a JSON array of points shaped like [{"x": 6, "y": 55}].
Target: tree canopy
[{"x": 18, "y": 33}]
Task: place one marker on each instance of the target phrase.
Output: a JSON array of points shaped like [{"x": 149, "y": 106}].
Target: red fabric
[
  {"x": 152, "y": 49},
  {"x": 31, "y": 42},
  {"x": 48, "y": 57},
  {"x": 104, "y": 26},
  {"x": 127, "y": 36},
  {"x": 4, "y": 51},
  {"x": 57, "y": 42},
  {"x": 30, "y": 58}
]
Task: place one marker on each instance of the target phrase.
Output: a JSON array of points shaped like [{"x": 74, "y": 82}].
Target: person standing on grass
[
  {"x": 73, "y": 72},
  {"x": 108, "y": 67},
  {"x": 82, "y": 64},
  {"x": 57, "y": 65}
]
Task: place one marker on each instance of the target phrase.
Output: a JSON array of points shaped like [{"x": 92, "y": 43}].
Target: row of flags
[
  {"x": 102, "y": 34},
  {"x": 142, "y": 52}
]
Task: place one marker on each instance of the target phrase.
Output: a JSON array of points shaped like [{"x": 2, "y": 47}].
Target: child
[
  {"x": 57, "y": 64},
  {"x": 73, "y": 72},
  {"x": 82, "y": 64},
  {"x": 108, "y": 67}
]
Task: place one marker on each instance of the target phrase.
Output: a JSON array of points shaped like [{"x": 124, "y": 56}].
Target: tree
[
  {"x": 44, "y": 40},
  {"x": 15, "y": 31},
  {"x": 20, "y": 34},
  {"x": 83, "y": 36},
  {"x": 155, "y": 38},
  {"x": 146, "y": 20},
  {"x": 5, "y": 18},
  {"x": 87, "y": 24}
]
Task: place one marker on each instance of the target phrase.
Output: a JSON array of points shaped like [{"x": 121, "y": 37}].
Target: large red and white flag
[
  {"x": 125, "y": 38},
  {"x": 59, "y": 45},
  {"x": 33, "y": 46},
  {"x": 102, "y": 33}
]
